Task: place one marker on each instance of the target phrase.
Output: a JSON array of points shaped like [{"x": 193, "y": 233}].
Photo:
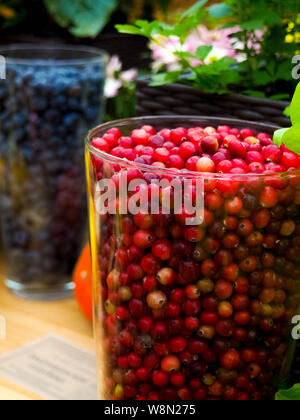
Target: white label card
[{"x": 53, "y": 368}]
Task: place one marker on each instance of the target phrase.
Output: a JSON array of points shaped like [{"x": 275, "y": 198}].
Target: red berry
[
  {"x": 177, "y": 344},
  {"x": 223, "y": 289},
  {"x": 160, "y": 379},
  {"x": 177, "y": 380},
  {"x": 162, "y": 250},
  {"x": 170, "y": 364},
  {"x": 178, "y": 135},
  {"x": 236, "y": 148},
  {"x": 140, "y": 137},
  {"x": 187, "y": 150},
  {"x": 143, "y": 239},
  {"x": 230, "y": 360},
  {"x": 205, "y": 164},
  {"x": 209, "y": 145}
]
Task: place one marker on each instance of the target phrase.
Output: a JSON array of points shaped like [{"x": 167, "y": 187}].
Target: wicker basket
[{"x": 177, "y": 99}]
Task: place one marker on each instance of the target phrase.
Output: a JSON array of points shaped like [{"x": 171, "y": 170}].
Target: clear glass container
[
  {"x": 247, "y": 257},
  {"x": 51, "y": 96}
]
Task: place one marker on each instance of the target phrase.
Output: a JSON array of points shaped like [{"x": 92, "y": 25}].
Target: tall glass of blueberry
[
  {"x": 195, "y": 238},
  {"x": 50, "y": 98}
]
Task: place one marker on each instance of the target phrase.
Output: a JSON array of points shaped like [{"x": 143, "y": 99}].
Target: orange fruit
[{"x": 83, "y": 283}]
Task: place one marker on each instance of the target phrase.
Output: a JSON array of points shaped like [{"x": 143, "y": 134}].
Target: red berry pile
[
  {"x": 201, "y": 312},
  {"x": 225, "y": 150}
]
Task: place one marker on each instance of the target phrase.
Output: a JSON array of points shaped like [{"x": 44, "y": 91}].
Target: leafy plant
[
  {"x": 83, "y": 18},
  {"x": 290, "y": 136},
  {"x": 264, "y": 39},
  {"x": 292, "y": 394}
]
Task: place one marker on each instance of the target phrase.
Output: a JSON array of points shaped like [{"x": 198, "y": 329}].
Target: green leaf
[
  {"x": 165, "y": 78},
  {"x": 253, "y": 25},
  {"x": 203, "y": 52},
  {"x": 255, "y": 93},
  {"x": 280, "y": 97},
  {"x": 287, "y": 111},
  {"x": 262, "y": 78},
  {"x": 292, "y": 394},
  {"x": 129, "y": 29},
  {"x": 291, "y": 138},
  {"x": 295, "y": 107},
  {"x": 278, "y": 135},
  {"x": 83, "y": 18},
  {"x": 220, "y": 11},
  {"x": 194, "y": 8}
]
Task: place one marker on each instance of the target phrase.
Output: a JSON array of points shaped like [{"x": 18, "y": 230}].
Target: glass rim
[
  {"x": 179, "y": 172},
  {"x": 93, "y": 55}
]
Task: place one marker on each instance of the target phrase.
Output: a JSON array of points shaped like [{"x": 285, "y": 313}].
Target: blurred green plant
[
  {"x": 83, "y": 18},
  {"x": 265, "y": 38}
]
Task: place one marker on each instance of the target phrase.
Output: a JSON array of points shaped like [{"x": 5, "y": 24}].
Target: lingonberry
[
  {"x": 205, "y": 164},
  {"x": 177, "y": 379},
  {"x": 236, "y": 147},
  {"x": 173, "y": 310},
  {"x": 140, "y": 137},
  {"x": 143, "y": 239},
  {"x": 249, "y": 264},
  {"x": 175, "y": 161},
  {"x": 225, "y": 310},
  {"x": 159, "y": 330},
  {"x": 242, "y": 318},
  {"x": 209, "y": 318},
  {"x": 213, "y": 201},
  {"x": 162, "y": 249},
  {"x": 135, "y": 272},
  {"x": 223, "y": 289},
  {"x": 209, "y": 144},
  {"x": 224, "y": 258},
  {"x": 231, "y": 241},
  {"x": 191, "y": 307},
  {"x": 177, "y": 344},
  {"x": 269, "y": 197},
  {"x": 194, "y": 234},
  {"x": 162, "y": 155},
  {"x": 230, "y": 360},
  {"x": 192, "y": 292},
  {"x": 290, "y": 160},
  {"x": 160, "y": 379},
  {"x": 170, "y": 364},
  {"x": 191, "y": 163},
  {"x": 156, "y": 299},
  {"x": 245, "y": 228},
  {"x": 240, "y": 302},
  {"x": 187, "y": 150},
  {"x": 192, "y": 323},
  {"x": 178, "y": 135}
]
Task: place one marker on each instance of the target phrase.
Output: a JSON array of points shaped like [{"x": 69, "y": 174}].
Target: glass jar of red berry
[{"x": 195, "y": 238}]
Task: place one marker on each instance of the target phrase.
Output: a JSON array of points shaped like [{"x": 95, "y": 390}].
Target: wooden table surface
[{"x": 28, "y": 321}]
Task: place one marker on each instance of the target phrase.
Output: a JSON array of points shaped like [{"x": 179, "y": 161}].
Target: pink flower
[{"x": 116, "y": 78}]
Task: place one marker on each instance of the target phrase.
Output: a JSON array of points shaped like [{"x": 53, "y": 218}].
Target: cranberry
[
  {"x": 140, "y": 136},
  {"x": 143, "y": 239},
  {"x": 160, "y": 379},
  {"x": 178, "y": 135},
  {"x": 177, "y": 344},
  {"x": 177, "y": 380},
  {"x": 205, "y": 164},
  {"x": 230, "y": 360},
  {"x": 156, "y": 300},
  {"x": 170, "y": 364},
  {"x": 162, "y": 250},
  {"x": 236, "y": 147},
  {"x": 210, "y": 145}
]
